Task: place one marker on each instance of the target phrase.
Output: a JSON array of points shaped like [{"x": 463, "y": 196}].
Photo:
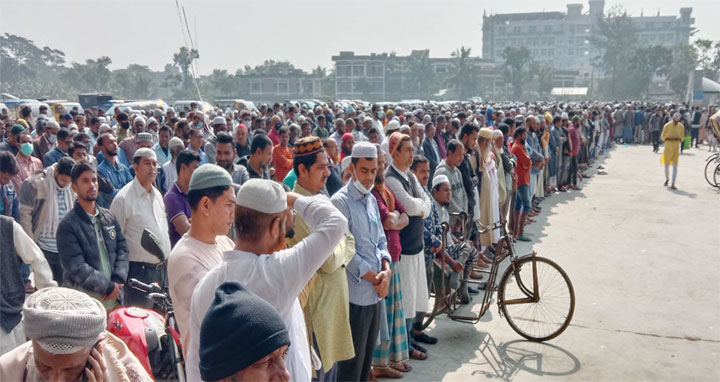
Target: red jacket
[{"x": 524, "y": 164}]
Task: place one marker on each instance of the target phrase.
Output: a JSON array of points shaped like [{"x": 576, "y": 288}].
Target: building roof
[
  {"x": 710, "y": 86},
  {"x": 569, "y": 91},
  {"x": 527, "y": 16}
]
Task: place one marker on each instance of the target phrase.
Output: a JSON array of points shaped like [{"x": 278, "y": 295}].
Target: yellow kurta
[
  {"x": 325, "y": 299},
  {"x": 671, "y": 152}
]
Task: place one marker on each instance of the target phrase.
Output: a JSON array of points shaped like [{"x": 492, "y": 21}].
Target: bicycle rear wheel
[
  {"x": 551, "y": 314},
  {"x": 716, "y": 176},
  {"x": 711, "y": 168}
]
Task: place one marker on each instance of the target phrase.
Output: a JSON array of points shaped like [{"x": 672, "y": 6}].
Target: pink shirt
[{"x": 28, "y": 165}]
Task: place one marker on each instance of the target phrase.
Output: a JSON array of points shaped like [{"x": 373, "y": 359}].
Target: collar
[
  {"x": 353, "y": 191},
  {"x": 301, "y": 190},
  {"x": 139, "y": 189},
  {"x": 176, "y": 186},
  {"x": 402, "y": 173}
]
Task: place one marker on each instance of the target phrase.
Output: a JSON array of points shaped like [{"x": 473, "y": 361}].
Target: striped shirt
[{"x": 46, "y": 241}]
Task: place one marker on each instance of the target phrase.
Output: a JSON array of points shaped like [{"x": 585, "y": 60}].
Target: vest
[
  {"x": 12, "y": 289},
  {"x": 411, "y": 237}
]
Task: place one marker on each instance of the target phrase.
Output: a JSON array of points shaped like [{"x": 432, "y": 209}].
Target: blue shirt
[
  {"x": 121, "y": 157},
  {"x": 364, "y": 223},
  {"x": 119, "y": 176},
  {"x": 53, "y": 156},
  {"x": 162, "y": 157},
  {"x": 9, "y": 201}
]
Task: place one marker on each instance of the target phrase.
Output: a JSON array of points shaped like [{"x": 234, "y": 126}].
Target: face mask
[
  {"x": 26, "y": 148},
  {"x": 53, "y": 138},
  {"x": 379, "y": 115},
  {"x": 522, "y": 141},
  {"x": 199, "y": 124},
  {"x": 125, "y": 125},
  {"x": 362, "y": 188}
]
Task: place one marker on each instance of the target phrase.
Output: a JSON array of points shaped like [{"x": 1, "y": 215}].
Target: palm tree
[{"x": 463, "y": 73}]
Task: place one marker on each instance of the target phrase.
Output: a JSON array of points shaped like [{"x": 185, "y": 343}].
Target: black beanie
[{"x": 238, "y": 330}]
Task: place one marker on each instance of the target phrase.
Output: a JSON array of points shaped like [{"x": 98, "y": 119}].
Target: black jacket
[{"x": 79, "y": 251}]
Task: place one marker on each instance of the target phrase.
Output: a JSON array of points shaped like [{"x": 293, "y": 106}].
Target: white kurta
[{"x": 278, "y": 278}]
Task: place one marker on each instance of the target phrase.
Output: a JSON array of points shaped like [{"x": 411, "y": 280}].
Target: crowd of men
[{"x": 298, "y": 243}]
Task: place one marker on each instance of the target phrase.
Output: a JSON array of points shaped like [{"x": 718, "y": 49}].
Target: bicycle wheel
[
  {"x": 710, "y": 174},
  {"x": 551, "y": 314},
  {"x": 716, "y": 176}
]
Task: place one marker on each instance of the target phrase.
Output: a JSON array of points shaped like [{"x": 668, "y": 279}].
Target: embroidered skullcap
[
  {"x": 364, "y": 150},
  {"x": 486, "y": 133},
  {"x": 145, "y": 137},
  {"x": 176, "y": 142},
  {"x": 345, "y": 163},
  {"x": 145, "y": 152},
  {"x": 307, "y": 146},
  {"x": 63, "y": 320},
  {"x": 347, "y": 136},
  {"x": 394, "y": 142},
  {"x": 440, "y": 179}
]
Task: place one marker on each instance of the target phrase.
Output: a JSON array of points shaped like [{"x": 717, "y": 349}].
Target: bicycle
[
  {"x": 534, "y": 295},
  {"x": 712, "y": 170}
]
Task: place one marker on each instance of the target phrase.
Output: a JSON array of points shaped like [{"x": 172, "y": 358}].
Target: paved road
[{"x": 645, "y": 264}]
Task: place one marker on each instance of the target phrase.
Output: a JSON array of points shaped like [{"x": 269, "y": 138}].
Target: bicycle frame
[{"x": 503, "y": 249}]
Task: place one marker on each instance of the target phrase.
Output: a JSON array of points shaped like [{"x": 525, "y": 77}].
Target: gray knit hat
[
  {"x": 62, "y": 320},
  {"x": 209, "y": 176}
]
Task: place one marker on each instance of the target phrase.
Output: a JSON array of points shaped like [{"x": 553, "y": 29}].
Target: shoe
[
  {"x": 673, "y": 187},
  {"x": 522, "y": 238},
  {"x": 424, "y": 338},
  {"x": 473, "y": 291},
  {"x": 666, "y": 182}
]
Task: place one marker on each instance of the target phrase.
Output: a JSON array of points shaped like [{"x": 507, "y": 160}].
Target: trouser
[
  {"x": 146, "y": 273},
  {"x": 573, "y": 170},
  {"x": 522, "y": 198},
  {"x": 322, "y": 376},
  {"x": 55, "y": 266},
  {"x": 25, "y": 273},
  {"x": 694, "y": 132},
  {"x": 364, "y": 325},
  {"x": 655, "y": 137},
  {"x": 13, "y": 339},
  {"x": 533, "y": 182},
  {"x": 627, "y": 135},
  {"x": 674, "y": 174},
  {"x": 565, "y": 165}
]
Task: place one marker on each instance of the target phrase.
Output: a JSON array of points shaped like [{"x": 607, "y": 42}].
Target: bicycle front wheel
[
  {"x": 711, "y": 168},
  {"x": 716, "y": 176},
  {"x": 551, "y": 314}
]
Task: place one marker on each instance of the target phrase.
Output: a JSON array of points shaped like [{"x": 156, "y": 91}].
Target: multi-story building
[
  {"x": 280, "y": 85},
  {"x": 563, "y": 39},
  {"x": 384, "y": 77}
]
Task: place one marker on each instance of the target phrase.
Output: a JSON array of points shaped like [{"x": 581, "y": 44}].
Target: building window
[
  {"x": 343, "y": 70},
  {"x": 344, "y": 86},
  {"x": 358, "y": 70},
  {"x": 548, "y": 28},
  {"x": 255, "y": 87},
  {"x": 501, "y": 31},
  {"x": 516, "y": 29},
  {"x": 650, "y": 25},
  {"x": 282, "y": 87},
  {"x": 533, "y": 29},
  {"x": 375, "y": 70},
  {"x": 667, "y": 24}
]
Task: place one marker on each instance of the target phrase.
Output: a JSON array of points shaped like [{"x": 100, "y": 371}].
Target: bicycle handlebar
[{"x": 147, "y": 288}]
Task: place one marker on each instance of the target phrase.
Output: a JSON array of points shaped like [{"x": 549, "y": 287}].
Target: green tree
[
  {"x": 518, "y": 68},
  {"x": 94, "y": 73},
  {"x": 709, "y": 57},
  {"x": 684, "y": 61},
  {"x": 132, "y": 82},
  {"x": 616, "y": 38},
  {"x": 546, "y": 78},
  {"x": 184, "y": 58},
  {"x": 422, "y": 75},
  {"x": 463, "y": 74},
  {"x": 647, "y": 62}
]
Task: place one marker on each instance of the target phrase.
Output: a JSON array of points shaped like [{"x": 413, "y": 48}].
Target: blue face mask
[
  {"x": 26, "y": 148},
  {"x": 53, "y": 138}
]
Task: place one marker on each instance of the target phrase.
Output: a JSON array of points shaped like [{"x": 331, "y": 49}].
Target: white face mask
[{"x": 362, "y": 188}]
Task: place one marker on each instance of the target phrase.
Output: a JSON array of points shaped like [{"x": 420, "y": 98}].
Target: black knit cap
[{"x": 238, "y": 330}]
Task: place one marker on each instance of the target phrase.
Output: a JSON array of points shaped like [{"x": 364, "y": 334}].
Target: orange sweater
[{"x": 282, "y": 159}]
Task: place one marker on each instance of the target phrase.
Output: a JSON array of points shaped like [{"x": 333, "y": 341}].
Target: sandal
[
  {"x": 386, "y": 372},
  {"x": 402, "y": 367},
  {"x": 417, "y": 354},
  {"x": 424, "y": 338}
]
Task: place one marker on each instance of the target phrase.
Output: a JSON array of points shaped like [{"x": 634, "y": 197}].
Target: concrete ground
[{"x": 645, "y": 264}]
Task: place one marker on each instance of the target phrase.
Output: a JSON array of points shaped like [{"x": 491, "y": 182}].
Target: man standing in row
[
  {"x": 93, "y": 249},
  {"x": 139, "y": 206}
]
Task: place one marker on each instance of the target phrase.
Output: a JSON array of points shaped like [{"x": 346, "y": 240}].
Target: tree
[
  {"x": 94, "y": 73},
  {"x": 709, "y": 57},
  {"x": 463, "y": 73},
  {"x": 684, "y": 61},
  {"x": 616, "y": 38},
  {"x": 546, "y": 78},
  {"x": 133, "y": 82},
  {"x": 518, "y": 66},
  {"x": 421, "y": 74},
  {"x": 647, "y": 62},
  {"x": 184, "y": 58}
]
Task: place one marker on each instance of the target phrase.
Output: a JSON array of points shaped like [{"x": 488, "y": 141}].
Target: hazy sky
[{"x": 232, "y": 34}]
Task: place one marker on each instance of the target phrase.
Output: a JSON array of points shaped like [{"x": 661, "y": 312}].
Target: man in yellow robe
[{"x": 672, "y": 134}]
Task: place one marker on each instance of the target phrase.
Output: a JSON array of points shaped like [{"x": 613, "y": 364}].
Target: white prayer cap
[
  {"x": 219, "y": 121},
  {"x": 676, "y": 116},
  {"x": 497, "y": 134},
  {"x": 145, "y": 152},
  {"x": 139, "y": 119},
  {"x": 104, "y": 128},
  {"x": 440, "y": 179},
  {"x": 421, "y": 126},
  {"x": 393, "y": 125},
  {"x": 151, "y": 120},
  {"x": 176, "y": 142},
  {"x": 262, "y": 195},
  {"x": 63, "y": 320},
  {"x": 564, "y": 115},
  {"x": 345, "y": 163},
  {"x": 364, "y": 150}
]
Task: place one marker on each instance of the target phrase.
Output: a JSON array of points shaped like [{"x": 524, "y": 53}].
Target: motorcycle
[{"x": 151, "y": 335}]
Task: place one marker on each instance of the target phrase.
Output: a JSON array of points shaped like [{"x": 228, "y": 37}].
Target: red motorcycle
[{"x": 153, "y": 337}]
